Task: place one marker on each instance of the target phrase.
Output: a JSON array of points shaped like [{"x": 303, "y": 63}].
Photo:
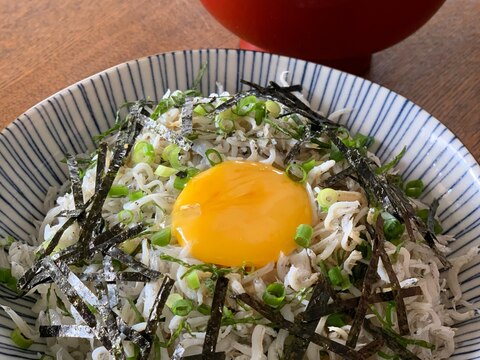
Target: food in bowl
[{"x": 237, "y": 226}]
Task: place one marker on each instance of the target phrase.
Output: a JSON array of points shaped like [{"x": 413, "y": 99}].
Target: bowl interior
[{"x": 33, "y": 145}]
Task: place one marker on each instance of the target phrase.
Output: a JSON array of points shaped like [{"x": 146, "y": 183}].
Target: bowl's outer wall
[
  {"x": 32, "y": 147},
  {"x": 323, "y": 29}
]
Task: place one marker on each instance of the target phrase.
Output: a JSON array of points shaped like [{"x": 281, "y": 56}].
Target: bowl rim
[{"x": 468, "y": 156}]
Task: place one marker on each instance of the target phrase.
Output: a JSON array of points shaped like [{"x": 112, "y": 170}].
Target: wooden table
[{"x": 46, "y": 45}]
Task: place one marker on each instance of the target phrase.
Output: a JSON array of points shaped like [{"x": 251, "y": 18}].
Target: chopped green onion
[
  {"x": 387, "y": 167},
  {"x": 8, "y": 279},
  {"x": 296, "y": 172},
  {"x": 183, "y": 177},
  {"x": 125, "y": 216},
  {"x": 423, "y": 214},
  {"x": 7, "y": 241},
  {"x": 274, "y": 294},
  {"x": 392, "y": 227},
  {"x": 224, "y": 121},
  {"x": 260, "y": 112},
  {"x": 204, "y": 309},
  {"x": 47, "y": 357},
  {"x": 308, "y": 165},
  {"x": 135, "y": 195},
  {"x": 327, "y": 197},
  {"x": 273, "y": 108},
  {"x": 338, "y": 278},
  {"x": 361, "y": 140},
  {"x": 303, "y": 235},
  {"x": 199, "y": 110},
  {"x": 117, "y": 191},
  {"x": 182, "y": 307},
  {"x": 172, "y": 299},
  {"x": 143, "y": 151},
  {"x": 165, "y": 171},
  {"x": 162, "y": 237},
  {"x": 335, "y": 153},
  {"x": 336, "y": 319},
  {"x": 171, "y": 154},
  {"x": 129, "y": 246},
  {"x": 20, "y": 340},
  {"x": 414, "y": 188},
  {"x": 245, "y": 105},
  {"x": 335, "y": 276},
  {"x": 193, "y": 281},
  {"x": 213, "y": 157}
]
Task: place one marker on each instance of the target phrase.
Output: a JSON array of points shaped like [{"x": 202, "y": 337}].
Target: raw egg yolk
[{"x": 240, "y": 213}]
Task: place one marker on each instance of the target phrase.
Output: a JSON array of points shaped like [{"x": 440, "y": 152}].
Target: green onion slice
[
  {"x": 125, "y": 216},
  {"x": 182, "y": 307},
  {"x": 135, "y": 195},
  {"x": 204, "y": 309},
  {"x": 143, "y": 151},
  {"x": 162, "y": 237},
  {"x": 327, "y": 197},
  {"x": 165, "y": 171},
  {"x": 273, "y": 108},
  {"x": 392, "y": 227},
  {"x": 335, "y": 276},
  {"x": 193, "y": 281},
  {"x": 414, "y": 188},
  {"x": 118, "y": 191},
  {"x": 303, "y": 235},
  {"x": 308, "y": 165},
  {"x": 171, "y": 154},
  {"x": 296, "y": 172},
  {"x": 274, "y": 294},
  {"x": 20, "y": 340},
  {"x": 213, "y": 157},
  {"x": 245, "y": 105},
  {"x": 172, "y": 299}
]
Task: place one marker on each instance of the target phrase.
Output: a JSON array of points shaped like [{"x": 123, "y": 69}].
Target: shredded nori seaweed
[
  {"x": 128, "y": 260},
  {"x": 155, "y": 314},
  {"x": 215, "y": 321},
  {"x": 299, "y": 330},
  {"x": 76, "y": 183},
  {"x": 78, "y": 331},
  {"x": 186, "y": 116},
  {"x": 391, "y": 341},
  {"x": 318, "y": 302},
  {"x": 371, "y": 348}
]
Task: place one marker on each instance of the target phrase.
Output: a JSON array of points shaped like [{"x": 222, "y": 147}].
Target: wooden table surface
[{"x": 46, "y": 45}]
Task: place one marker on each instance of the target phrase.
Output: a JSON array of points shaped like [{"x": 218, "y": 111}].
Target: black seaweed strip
[
  {"x": 318, "y": 301},
  {"x": 127, "y": 276},
  {"x": 276, "y": 318},
  {"x": 56, "y": 238},
  {"x": 186, "y": 117},
  {"x": 336, "y": 179},
  {"x": 75, "y": 181},
  {"x": 395, "y": 284},
  {"x": 133, "y": 335},
  {"x": 371, "y": 348},
  {"x": 294, "y": 151},
  {"x": 77, "y": 331},
  {"x": 390, "y": 341},
  {"x": 215, "y": 321},
  {"x": 352, "y": 303},
  {"x": 156, "y": 313},
  {"x": 128, "y": 260},
  {"x": 366, "y": 293},
  {"x": 102, "y": 242},
  {"x": 108, "y": 334},
  {"x": 110, "y": 279},
  {"x": 430, "y": 236},
  {"x": 101, "y": 162},
  {"x": 123, "y": 146}
]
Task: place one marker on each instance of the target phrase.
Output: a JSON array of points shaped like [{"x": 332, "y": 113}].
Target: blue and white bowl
[{"x": 33, "y": 145}]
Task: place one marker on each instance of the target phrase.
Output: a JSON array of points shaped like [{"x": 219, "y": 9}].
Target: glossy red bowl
[{"x": 339, "y": 33}]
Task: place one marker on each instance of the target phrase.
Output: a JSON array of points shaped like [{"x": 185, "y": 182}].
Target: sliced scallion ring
[
  {"x": 296, "y": 172},
  {"x": 143, "y": 151},
  {"x": 20, "y": 340},
  {"x": 125, "y": 216},
  {"x": 303, "y": 235},
  {"x": 274, "y": 294},
  {"x": 213, "y": 157},
  {"x": 327, "y": 197}
]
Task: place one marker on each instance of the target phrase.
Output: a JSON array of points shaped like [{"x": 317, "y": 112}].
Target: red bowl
[{"x": 340, "y": 33}]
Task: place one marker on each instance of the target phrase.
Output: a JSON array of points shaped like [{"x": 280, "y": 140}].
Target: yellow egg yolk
[{"x": 240, "y": 213}]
